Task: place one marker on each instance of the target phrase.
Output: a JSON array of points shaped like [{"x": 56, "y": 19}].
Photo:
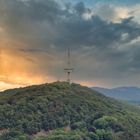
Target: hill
[
  {"x": 59, "y": 111},
  {"x": 130, "y": 94}
]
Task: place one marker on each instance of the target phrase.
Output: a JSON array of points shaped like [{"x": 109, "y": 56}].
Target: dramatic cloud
[
  {"x": 112, "y": 13},
  {"x": 35, "y": 34}
]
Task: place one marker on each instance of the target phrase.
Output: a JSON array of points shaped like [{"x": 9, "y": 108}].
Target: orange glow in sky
[{"x": 16, "y": 70}]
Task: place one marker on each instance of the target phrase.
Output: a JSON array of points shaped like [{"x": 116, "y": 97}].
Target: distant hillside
[
  {"x": 131, "y": 94},
  {"x": 59, "y": 111}
]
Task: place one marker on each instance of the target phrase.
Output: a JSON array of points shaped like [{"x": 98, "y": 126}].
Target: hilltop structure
[{"x": 69, "y": 69}]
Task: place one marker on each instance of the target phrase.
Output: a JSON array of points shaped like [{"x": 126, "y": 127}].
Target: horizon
[
  {"x": 103, "y": 36},
  {"x": 18, "y": 87}
]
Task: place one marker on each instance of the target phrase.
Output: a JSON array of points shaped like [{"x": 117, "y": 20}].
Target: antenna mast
[{"x": 68, "y": 70}]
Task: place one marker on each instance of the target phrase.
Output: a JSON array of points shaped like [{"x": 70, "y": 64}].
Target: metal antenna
[{"x": 68, "y": 70}]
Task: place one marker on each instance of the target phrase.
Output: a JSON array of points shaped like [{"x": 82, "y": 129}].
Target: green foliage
[
  {"x": 108, "y": 122},
  {"x": 14, "y": 135},
  {"x": 78, "y": 125},
  {"x": 104, "y": 135},
  {"x": 69, "y": 112}
]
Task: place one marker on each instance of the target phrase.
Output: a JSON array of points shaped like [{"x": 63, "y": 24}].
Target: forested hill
[
  {"x": 130, "y": 94},
  {"x": 59, "y": 111}
]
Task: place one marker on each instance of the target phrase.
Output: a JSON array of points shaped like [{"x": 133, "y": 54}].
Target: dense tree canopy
[{"x": 65, "y": 112}]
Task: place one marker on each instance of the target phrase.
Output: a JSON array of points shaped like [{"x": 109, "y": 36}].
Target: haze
[{"x": 104, "y": 38}]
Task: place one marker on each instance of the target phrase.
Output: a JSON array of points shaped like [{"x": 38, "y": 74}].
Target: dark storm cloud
[
  {"x": 46, "y": 21},
  {"x": 46, "y": 26}
]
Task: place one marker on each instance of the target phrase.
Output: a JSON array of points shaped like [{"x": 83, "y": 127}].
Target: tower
[{"x": 68, "y": 70}]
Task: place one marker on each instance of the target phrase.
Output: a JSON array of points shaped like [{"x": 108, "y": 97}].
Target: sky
[{"x": 103, "y": 36}]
